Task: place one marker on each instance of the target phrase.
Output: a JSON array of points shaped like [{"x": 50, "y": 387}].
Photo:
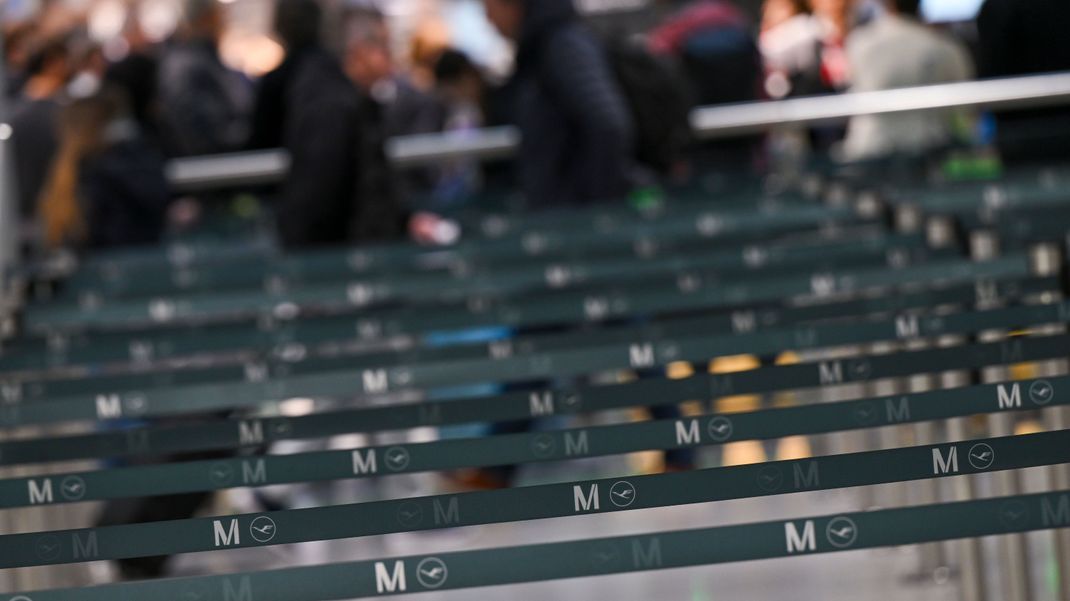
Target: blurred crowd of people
[{"x": 599, "y": 115}]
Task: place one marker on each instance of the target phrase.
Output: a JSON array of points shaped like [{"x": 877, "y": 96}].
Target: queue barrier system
[
  {"x": 598, "y": 557},
  {"x": 534, "y": 502},
  {"x": 817, "y": 295},
  {"x": 238, "y": 433},
  {"x": 414, "y": 368},
  {"x": 269, "y": 470}
]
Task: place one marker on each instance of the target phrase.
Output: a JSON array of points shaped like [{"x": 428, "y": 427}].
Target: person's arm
[{"x": 576, "y": 74}]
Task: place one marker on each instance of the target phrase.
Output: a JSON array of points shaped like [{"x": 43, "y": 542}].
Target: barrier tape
[
  {"x": 602, "y": 556},
  {"x": 534, "y": 502},
  {"x": 550, "y": 357},
  {"x": 577, "y": 443},
  {"x": 254, "y": 432}
]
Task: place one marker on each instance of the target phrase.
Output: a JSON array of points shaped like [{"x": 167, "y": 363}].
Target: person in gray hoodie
[{"x": 575, "y": 121}]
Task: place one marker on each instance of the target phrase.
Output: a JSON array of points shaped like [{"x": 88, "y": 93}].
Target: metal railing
[{"x": 200, "y": 173}]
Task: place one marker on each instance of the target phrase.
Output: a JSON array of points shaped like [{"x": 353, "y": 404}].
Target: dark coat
[
  {"x": 576, "y": 125},
  {"x": 321, "y": 132},
  {"x": 36, "y": 141},
  {"x": 1021, "y": 38},
  {"x": 340, "y": 187},
  {"x": 125, "y": 194}
]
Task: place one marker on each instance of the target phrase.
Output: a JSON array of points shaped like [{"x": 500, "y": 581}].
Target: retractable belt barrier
[
  {"x": 292, "y": 358},
  {"x": 659, "y": 303},
  {"x": 166, "y": 309},
  {"x": 716, "y": 230},
  {"x": 312, "y": 333},
  {"x": 753, "y": 263},
  {"x": 534, "y": 502},
  {"x": 239, "y": 304},
  {"x": 483, "y": 242},
  {"x": 986, "y": 197},
  {"x": 522, "y": 359},
  {"x": 602, "y": 556},
  {"x": 237, "y": 433},
  {"x": 557, "y": 358},
  {"x": 653, "y": 234},
  {"x": 1017, "y": 229},
  {"x": 181, "y": 271},
  {"x": 144, "y": 481}
]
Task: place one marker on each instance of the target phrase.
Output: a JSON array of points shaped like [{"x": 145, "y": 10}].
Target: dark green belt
[
  {"x": 556, "y": 358},
  {"x": 448, "y": 267},
  {"x": 719, "y": 230},
  {"x": 541, "y": 240},
  {"x": 236, "y": 433},
  {"x": 601, "y": 556},
  {"x": 522, "y": 359},
  {"x": 466, "y": 314},
  {"x": 311, "y": 333},
  {"x": 362, "y": 294},
  {"x": 172, "y": 478},
  {"x": 534, "y": 502},
  {"x": 986, "y": 198}
]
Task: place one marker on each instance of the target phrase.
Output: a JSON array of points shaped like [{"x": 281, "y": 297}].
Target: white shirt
[{"x": 896, "y": 52}]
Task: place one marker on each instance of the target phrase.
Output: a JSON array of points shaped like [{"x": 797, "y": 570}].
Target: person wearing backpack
[
  {"x": 577, "y": 127},
  {"x": 715, "y": 45}
]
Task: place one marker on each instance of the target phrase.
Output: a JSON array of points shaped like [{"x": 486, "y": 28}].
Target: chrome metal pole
[
  {"x": 973, "y": 586},
  {"x": 708, "y": 122},
  {"x": 1013, "y": 561},
  {"x": 1049, "y": 260}
]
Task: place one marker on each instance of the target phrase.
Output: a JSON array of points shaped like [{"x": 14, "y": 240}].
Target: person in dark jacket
[
  {"x": 1022, "y": 38},
  {"x": 204, "y": 104},
  {"x": 577, "y": 130},
  {"x": 106, "y": 187},
  {"x": 320, "y": 127},
  {"x": 297, "y": 28},
  {"x": 35, "y": 119}
]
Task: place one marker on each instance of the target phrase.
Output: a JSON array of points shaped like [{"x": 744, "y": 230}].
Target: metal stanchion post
[
  {"x": 1048, "y": 260},
  {"x": 932, "y": 560},
  {"x": 940, "y": 232},
  {"x": 8, "y": 246},
  {"x": 1013, "y": 563}
]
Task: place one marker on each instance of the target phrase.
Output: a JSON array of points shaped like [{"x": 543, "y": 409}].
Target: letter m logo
[
  {"x": 907, "y": 326},
  {"x": 1057, "y": 514},
  {"x": 251, "y": 432},
  {"x": 40, "y": 491},
  {"x": 799, "y": 543},
  {"x": 374, "y": 380},
  {"x": 85, "y": 549},
  {"x": 1009, "y": 400},
  {"x": 389, "y": 582},
  {"x": 109, "y": 406},
  {"x": 226, "y": 536},
  {"x": 243, "y": 592},
  {"x": 946, "y": 464},
  {"x": 641, "y": 355},
  {"x": 541, "y": 403},
  {"x": 448, "y": 514},
  {"x": 644, "y": 558},
  {"x": 254, "y": 472},
  {"x": 830, "y": 372},
  {"x": 364, "y": 464},
  {"x": 687, "y": 433},
  {"x": 586, "y": 502}
]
